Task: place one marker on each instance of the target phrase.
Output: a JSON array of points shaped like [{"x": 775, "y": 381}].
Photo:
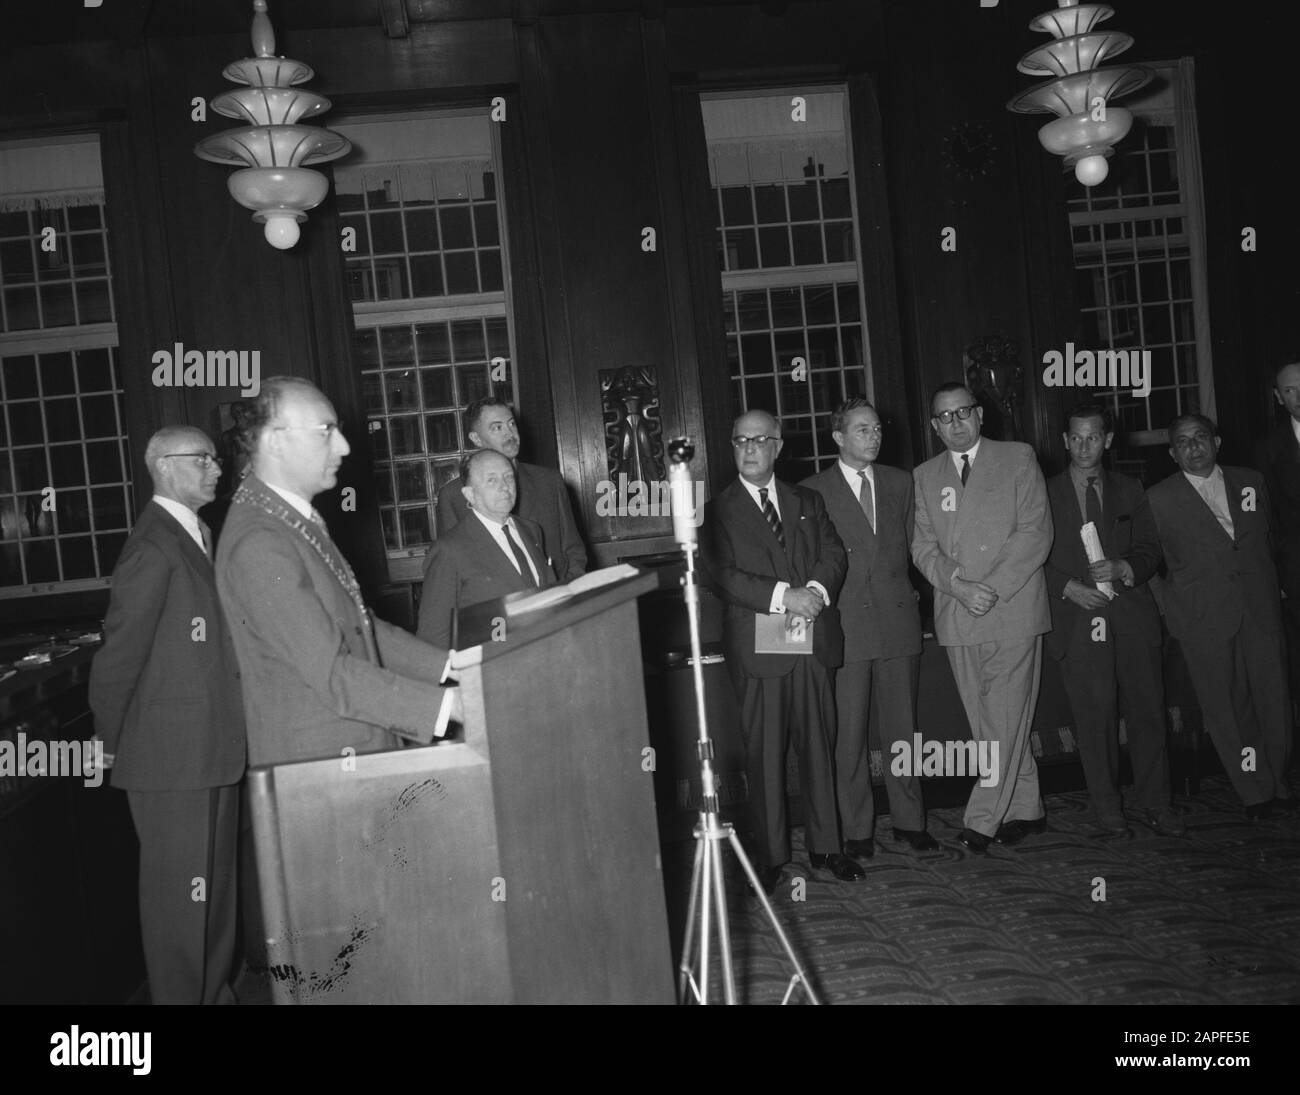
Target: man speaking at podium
[
  {"x": 768, "y": 547},
  {"x": 486, "y": 556},
  {"x": 320, "y": 674}
]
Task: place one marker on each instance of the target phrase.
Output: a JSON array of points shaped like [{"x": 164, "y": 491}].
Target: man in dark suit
[
  {"x": 540, "y": 493},
  {"x": 165, "y": 693},
  {"x": 982, "y": 533},
  {"x": 1223, "y": 605},
  {"x": 321, "y": 675},
  {"x": 1109, "y": 650},
  {"x": 768, "y": 548},
  {"x": 871, "y": 507},
  {"x": 1278, "y": 457},
  {"x": 486, "y": 556}
]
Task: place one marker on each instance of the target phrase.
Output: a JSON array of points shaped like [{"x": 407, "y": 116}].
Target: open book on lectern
[{"x": 518, "y": 603}]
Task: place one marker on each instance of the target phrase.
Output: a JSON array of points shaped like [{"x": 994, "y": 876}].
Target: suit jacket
[
  {"x": 1214, "y": 581},
  {"x": 877, "y": 604},
  {"x": 467, "y": 567},
  {"x": 1278, "y": 457},
  {"x": 1128, "y": 532},
  {"x": 167, "y": 704},
  {"x": 742, "y": 561},
  {"x": 319, "y": 674},
  {"x": 543, "y": 499},
  {"x": 998, "y": 530}
]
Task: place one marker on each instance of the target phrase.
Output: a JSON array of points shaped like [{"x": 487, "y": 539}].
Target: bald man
[
  {"x": 165, "y": 693},
  {"x": 489, "y": 554},
  {"x": 769, "y": 550}
]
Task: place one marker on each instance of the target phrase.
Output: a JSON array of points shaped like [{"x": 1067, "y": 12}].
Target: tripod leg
[
  {"x": 799, "y": 976},
  {"x": 687, "y": 964},
  {"x": 706, "y": 910},
  {"x": 724, "y": 926}
]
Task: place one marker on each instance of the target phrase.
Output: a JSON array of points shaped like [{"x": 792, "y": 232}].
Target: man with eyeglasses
[
  {"x": 768, "y": 548},
  {"x": 871, "y": 507},
  {"x": 165, "y": 693},
  {"x": 982, "y": 533},
  {"x": 321, "y": 674},
  {"x": 1110, "y": 651},
  {"x": 540, "y": 493},
  {"x": 1223, "y": 605}
]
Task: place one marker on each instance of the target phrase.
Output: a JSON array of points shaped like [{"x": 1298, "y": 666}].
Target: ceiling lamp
[
  {"x": 273, "y": 149},
  {"x": 1079, "y": 94}
]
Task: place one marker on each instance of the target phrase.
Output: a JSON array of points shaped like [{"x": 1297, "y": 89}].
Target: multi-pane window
[
  {"x": 429, "y": 300},
  {"x": 779, "y": 164},
  {"x": 1139, "y": 267},
  {"x": 65, "y": 488}
]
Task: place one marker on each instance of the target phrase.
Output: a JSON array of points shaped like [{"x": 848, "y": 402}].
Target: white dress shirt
[
  {"x": 778, "y": 593},
  {"x": 187, "y": 517},
  {"x": 302, "y": 505},
  {"x": 972, "y": 452},
  {"x": 1215, "y": 492},
  {"x": 854, "y": 480},
  {"x": 498, "y": 531}
]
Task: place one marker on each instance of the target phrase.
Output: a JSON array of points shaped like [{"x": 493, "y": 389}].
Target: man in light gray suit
[
  {"x": 983, "y": 531},
  {"x": 871, "y": 506}
]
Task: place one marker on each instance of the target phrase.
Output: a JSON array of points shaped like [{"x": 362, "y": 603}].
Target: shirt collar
[
  {"x": 852, "y": 478},
  {"x": 1216, "y": 476},
  {"x": 1081, "y": 480},
  {"x": 491, "y": 523},
  {"x": 769, "y": 486},
  {"x": 972, "y": 452},
  {"x": 302, "y": 505},
  {"x": 189, "y": 520},
  {"x": 1295, "y": 427}
]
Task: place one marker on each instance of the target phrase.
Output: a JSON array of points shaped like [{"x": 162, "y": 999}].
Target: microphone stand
[{"x": 706, "y": 913}]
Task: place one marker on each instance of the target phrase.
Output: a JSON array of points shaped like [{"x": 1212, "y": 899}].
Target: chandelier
[
  {"x": 1079, "y": 94},
  {"x": 272, "y": 148}
]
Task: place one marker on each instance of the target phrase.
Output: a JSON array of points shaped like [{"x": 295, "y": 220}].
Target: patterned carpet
[{"x": 1213, "y": 918}]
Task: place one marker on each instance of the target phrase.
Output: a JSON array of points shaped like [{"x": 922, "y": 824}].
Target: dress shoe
[
  {"x": 1112, "y": 823},
  {"x": 976, "y": 842},
  {"x": 1013, "y": 832},
  {"x": 768, "y": 877},
  {"x": 840, "y": 865},
  {"x": 1165, "y": 821},
  {"x": 1258, "y": 811},
  {"x": 860, "y": 849},
  {"x": 919, "y": 839},
  {"x": 1282, "y": 807}
]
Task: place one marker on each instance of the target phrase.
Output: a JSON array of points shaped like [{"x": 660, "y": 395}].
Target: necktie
[
  {"x": 1092, "y": 503},
  {"x": 965, "y": 467},
  {"x": 206, "y": 533},
  {"x": 773, "y": 521},
  {"x": 525, "y": 571},
  {"x": 867, "y": 499}
]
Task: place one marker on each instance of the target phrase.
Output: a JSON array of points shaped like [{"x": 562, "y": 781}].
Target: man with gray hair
[
  {"x": 165, "y": 693},
  {"x": 322, "y": 676}
]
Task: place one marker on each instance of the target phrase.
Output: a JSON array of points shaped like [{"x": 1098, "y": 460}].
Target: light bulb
[
  {"x": 281, "y": 230},
  {"x": 1091, "y": 170}
]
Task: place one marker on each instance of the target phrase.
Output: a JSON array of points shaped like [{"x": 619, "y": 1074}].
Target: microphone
[{"x": 681, "y": 492}]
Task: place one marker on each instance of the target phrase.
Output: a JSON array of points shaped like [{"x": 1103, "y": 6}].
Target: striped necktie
[{"x": 773, "y": 521}]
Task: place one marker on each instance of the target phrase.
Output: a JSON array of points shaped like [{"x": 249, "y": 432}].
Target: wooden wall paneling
[
  {"x": 894, "y": 384},
  {"x": 605, "y": 295}
]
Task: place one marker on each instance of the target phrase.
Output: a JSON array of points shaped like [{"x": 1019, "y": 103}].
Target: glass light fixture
[
  {"x": 273, "y": 149},
  {"x": 1086, "y": 127}
]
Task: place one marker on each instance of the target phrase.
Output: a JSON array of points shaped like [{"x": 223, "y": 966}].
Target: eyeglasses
[
  {"x": 743, "y": 442},
  {"x": 963, "y": 413},
  {"x": 325, "y": 431},
  {"x": 204, "y": 460}
]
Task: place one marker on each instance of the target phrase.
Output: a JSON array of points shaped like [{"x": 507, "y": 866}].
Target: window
[
  {"x": 786, "y": 241},
  {"x": 65, "y": 488},
  {"x": 429, "y": 297},
  {"x": 1140, "y": 266}
]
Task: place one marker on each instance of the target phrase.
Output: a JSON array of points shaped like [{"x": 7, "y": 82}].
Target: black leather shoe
[
  {"x": 840, "y": 865},
  {"x": 1013, "y": 832},
  {"x": 768, "y": 877},
  {"x": 919, "y": 839},
  {"x": 1259, "y": 811},
  {"x": 976, "y": 842},
  {"x": 860, "y": 849}
]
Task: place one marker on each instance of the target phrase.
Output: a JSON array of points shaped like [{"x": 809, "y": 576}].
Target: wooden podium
[{"x": 520, "y": 865}]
